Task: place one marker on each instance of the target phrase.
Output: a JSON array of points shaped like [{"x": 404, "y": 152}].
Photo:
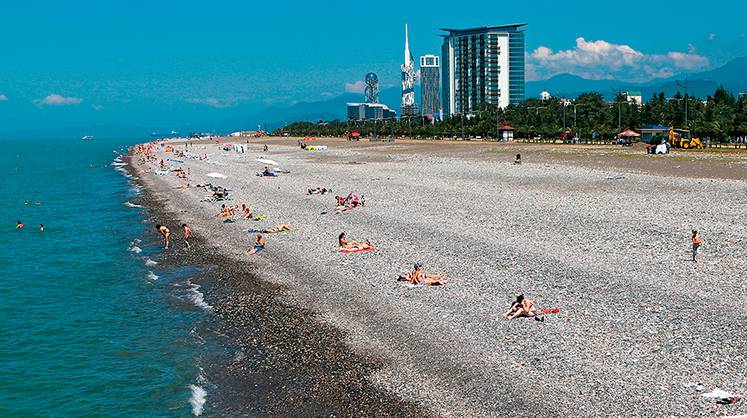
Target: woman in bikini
[
  {"x": 418, "y": 276},
  {"x": 345, "y": 245},
  {"x": 166, "y": 235},
  {"x": 521, "y": 307}
]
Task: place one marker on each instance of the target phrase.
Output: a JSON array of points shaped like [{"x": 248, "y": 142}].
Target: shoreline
[
  {"x": 285, "y": 360},
  {"x": 629, "y": 323}
]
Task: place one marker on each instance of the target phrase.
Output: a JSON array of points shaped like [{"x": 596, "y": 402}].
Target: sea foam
[
  {"x": 152, "y": 276},
  {"x": 131, "y": 205},
  {"x": 197, "y": 297},
  {"x": 197, "y": 400}
]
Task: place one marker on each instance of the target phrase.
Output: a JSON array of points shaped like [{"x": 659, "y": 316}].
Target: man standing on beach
[
  {"x": 696, "y": 240},
  {"x": 187, "y": 235},
  {"x": 166, "y": 235}
]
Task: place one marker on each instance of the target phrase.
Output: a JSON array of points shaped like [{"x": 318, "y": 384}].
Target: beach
[{"x": 600, "y": 233}]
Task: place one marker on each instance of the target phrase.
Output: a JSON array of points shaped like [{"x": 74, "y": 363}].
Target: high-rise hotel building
[
  {"x": 482, "y": 65},
  {"x": 430, "y": 85}
]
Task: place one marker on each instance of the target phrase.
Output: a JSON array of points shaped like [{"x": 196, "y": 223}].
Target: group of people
[
  {"x": 352, "y": 201},
  {"x": 21, "y": 225},
  {"x": 166, "y": 234}
]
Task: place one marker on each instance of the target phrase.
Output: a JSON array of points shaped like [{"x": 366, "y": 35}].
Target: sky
[{"x": 170, "y": 63}]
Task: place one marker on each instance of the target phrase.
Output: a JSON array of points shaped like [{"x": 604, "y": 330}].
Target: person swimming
[
  {"x": 20, "y": 225},
  {"x": 41, "y": 227},
  {"x": 259, "y": 245},
  {"x": 166, "y": 235}
]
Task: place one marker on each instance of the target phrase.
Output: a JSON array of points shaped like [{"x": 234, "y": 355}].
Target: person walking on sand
[
  {"x": 696, "y": 240},
  {"x": 166, "y": 235},
  {"x": 187, "y": 235}
]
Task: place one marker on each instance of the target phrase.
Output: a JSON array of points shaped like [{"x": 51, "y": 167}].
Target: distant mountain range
[{"x": 732, "y": 75}]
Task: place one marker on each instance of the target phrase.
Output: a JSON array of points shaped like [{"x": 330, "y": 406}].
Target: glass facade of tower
[
  {"x": 482, "y": 66},
  {"x": 430, "y": 85}
]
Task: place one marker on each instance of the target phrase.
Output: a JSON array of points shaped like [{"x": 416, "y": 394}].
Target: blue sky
[{"x": 148, "y": 63}]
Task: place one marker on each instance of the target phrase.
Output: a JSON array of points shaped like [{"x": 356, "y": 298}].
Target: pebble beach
[{"x": 637, "y": 324}]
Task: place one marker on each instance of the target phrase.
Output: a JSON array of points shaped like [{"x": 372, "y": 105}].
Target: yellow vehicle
[{"x": 681, "y": 138}]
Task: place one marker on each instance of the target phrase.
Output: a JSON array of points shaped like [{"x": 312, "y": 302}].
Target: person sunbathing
[
  {"x": 225, "y": 212},
  {"x": 521, "y": 307},
  {"x": 345, "y": 245},
  {"x": 319, "y": 190},
  {"x": 279, "y": 228},
  {"x": 268, "y": 172},
  {"x": 246, "y": 212},
  {"x": 418, "y": 276},
  {"x": 259, "y": 245}
]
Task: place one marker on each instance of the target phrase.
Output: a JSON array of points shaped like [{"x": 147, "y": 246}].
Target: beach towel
[
  {"x": 217, "y": 175},
  {"x": 354, "y": 250},
  {"x": 545, "y": 311}
]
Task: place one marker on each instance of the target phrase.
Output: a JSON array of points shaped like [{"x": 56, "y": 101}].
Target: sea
[{"x": 90, "y": 323}]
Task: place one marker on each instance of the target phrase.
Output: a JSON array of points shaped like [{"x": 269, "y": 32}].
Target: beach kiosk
[{"x": 505, "y": 133}]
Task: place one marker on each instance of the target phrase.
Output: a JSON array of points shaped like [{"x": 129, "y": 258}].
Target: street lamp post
[{"x": 686, "y": 88}]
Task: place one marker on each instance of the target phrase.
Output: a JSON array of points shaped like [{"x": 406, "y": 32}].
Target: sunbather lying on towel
[
  {"x": 418, "y": 277},
  {"x": 352, "y": 246},
  {"x": 279, "y": 228},
  {"x": 521, "y": 307}
]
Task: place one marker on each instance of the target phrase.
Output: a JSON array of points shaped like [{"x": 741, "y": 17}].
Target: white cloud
[
  {"x": 357, "y": 87},
  {"x": 3, "y": 98},
  {"x": 711, "y": 36},
  {"x": 605, "y": 60},
  {"x": 58, "y": 100},
  {"x": 213, "y": 102}
]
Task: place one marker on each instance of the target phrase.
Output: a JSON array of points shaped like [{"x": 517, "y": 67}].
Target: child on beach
[
  {"x": 166, "y": 235},
  {"x": 258, "y": 246},
  {"x": 696, "y": 240},
  {"x": 187, "y": 235}
]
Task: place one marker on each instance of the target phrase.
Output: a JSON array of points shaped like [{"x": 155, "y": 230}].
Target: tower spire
[{"x": 408, "y": 56}]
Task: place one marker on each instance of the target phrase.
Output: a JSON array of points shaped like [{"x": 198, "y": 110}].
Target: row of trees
[{"x": 720, "y": 118}]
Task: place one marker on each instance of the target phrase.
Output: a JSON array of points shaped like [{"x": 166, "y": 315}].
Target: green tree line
[{"x": 722, "y": 117}]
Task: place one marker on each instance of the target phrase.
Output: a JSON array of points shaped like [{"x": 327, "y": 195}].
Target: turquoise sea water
[{"x": 86, "y": 327}]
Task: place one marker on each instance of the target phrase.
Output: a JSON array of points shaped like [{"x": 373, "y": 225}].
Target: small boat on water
[
  {"x": 164, "y": 135},
  {"x": 87, "y": 137}
]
